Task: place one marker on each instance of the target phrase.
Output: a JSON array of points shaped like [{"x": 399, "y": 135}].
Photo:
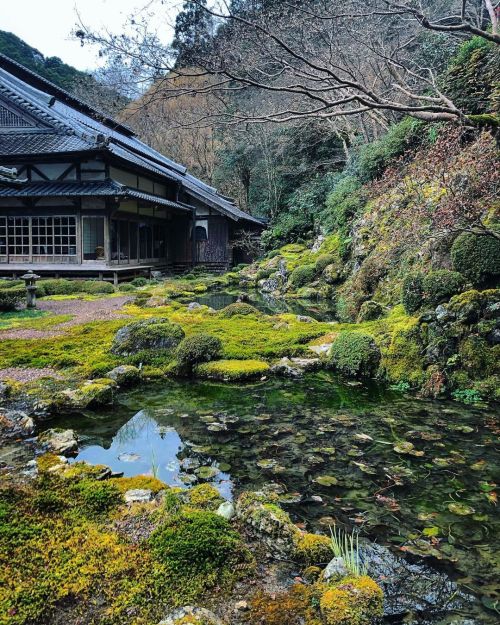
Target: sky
[{"x": 47, "y": 24}]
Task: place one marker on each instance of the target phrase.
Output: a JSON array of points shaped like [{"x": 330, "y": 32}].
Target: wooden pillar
[{"x": 193, "y": 238}]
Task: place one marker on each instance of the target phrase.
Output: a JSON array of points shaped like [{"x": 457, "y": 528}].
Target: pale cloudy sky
[{"x": 47, "y": 24}]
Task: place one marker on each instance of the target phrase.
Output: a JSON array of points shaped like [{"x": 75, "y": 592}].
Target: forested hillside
[{"x": 84, "y": 85}]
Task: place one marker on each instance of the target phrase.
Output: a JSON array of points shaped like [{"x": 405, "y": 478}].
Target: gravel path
[
  {"x": 83, "y": 311},
  {"x": 28, "y": 374}
]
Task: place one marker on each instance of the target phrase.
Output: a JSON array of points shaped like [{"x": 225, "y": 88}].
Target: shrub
[
  {"x": 60, "y": 286},
  {"x": 343, "y": 203},
  {"x": 151, "y": 334},
  {"x": 8, "y": 283},
  {"x": 323, "y": 261},
  {"x": 196, "y": 543},
  {"x": 413, "y": 292},
  {"x": 97, "y": 286},
  {"x": 439, "y": 286},
  {"x": 302, "y": 275},
  {"x": 374, "y": 157},
  {"x": 477, "y": 258},
  {"x": 196, "y": 349},
  {"x": 139, "y": 281},
  {"x": 11, "y": 298},
  {"x": 126, "y": 287},
  {"x": 355, "y": 354},
  {"x": 238, "y": 308}
]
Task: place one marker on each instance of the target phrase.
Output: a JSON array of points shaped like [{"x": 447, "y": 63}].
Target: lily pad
[
  {"x": 326, "y": 480},
  {"x": 207, "y": 473},
  {"x": 224, "y": 466},
  {"x": 403, "y": 447},
  {"x": 365, "y": 468},
  {"x": 460, "y": 508},
  {"x": 363, "y": 438}
]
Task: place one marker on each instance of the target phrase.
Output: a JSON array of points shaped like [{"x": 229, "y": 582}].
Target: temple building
[{"x": 81, "y": 195}]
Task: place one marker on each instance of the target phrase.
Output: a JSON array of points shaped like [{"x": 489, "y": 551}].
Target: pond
[
  {"x": 417, "y": 475},
  {"x": 321, "y": 310}
]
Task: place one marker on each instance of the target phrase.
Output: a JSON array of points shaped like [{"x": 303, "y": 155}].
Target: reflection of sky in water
[{"x": 142, "y": 447}]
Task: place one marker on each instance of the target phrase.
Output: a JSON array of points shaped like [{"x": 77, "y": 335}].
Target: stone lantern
[{"x": 30, "y": 279}]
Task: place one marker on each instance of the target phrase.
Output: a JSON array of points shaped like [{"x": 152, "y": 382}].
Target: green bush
[
  {"x": 355, "y": 354},
  {"x": 139, "y": 281},
  {"x": 196, "y": 349},
  {"x": 374, "y": 157},
  {"x": 477, "y": 258},
  {"x": 413, "y": 292},
  {"x": 343, "y": 203},
  {"x": 60, "y": 286},
  {"x": 196, "y": 543},
  {"x": 302, "y": 275},
  {"x": 439, "y": 286},
  {"x": 8, "y": 284},
  {"x": 159, "y": 335},
  {"x": 11, "y": 298},
  {"x": 126, "y": 287},
  {"x": 238, "y": 308},
  {"x": 94, "y": 287},
  {"x": 323, "y": 261}
]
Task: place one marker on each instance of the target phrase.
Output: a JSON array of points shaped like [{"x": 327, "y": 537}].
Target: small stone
[
  {"x": 138, "y": 495},
  {"x": 125, "y": 375},
  {"x": 241, "y": 606},
  {"x": 305, "y": 319},
  {"x": 226, "y": 510},
  {"x": 61, "y": 442},
  {"x": 335, "y": 568},
  {"x": 194, "y": 306}
]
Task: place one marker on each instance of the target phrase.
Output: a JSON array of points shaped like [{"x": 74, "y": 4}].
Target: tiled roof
[
  {"x": 104, "y": 188},
  {"x": 70, "y": 125},
  {"x": 40, "y": 143}
]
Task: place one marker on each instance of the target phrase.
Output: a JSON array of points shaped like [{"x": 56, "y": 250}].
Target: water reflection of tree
[{"x": 133, "y": 429}]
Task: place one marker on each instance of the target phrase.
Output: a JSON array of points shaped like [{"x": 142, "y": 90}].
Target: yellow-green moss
[
  {"x": 232, "y": 370},
  {"x": 139, "y": 482},
  {"x": 204, "y": 496},
  {"x": 352, "y": 601},
  {"x": 312, "y": 548}
]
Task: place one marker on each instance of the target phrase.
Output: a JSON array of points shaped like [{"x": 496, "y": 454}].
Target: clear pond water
[
  {"x": 321, "y": 310},
  {"x": 416, "y": 475}
]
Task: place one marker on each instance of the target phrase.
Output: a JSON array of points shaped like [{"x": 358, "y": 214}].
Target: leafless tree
[{"x": 317, "y": 59}]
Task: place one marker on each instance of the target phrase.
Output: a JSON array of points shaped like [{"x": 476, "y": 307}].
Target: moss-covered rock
[
  {"x": 204, "y": 496},
  {"x": 232, "y": 370},
  {"x": 355, "y": 354},
  {"x": 476, "y": 257},
  {"x": 90, "y": 394},
  {"x": 125, "y": 375},
  {"x": 149, "y": 334},
  {"x": 352, "y": 601},
  {"x": 312, "y": 549},
  {"x": 331, "y": 274},
  {"x": 238, "y": 308}
]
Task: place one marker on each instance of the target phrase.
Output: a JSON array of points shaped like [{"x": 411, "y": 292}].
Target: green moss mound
[
  {"x": 197, "y": 349},
  {"x": 199, "y": 548},
  {"x": 238, "y": 308},
  {"x": 355, "y": 354},
  {"x": 97, "y": 287},
  {"x": 233, "y": 370},
  {"x": 477, "y": 258},
  {"x": 302, "y": 275}
]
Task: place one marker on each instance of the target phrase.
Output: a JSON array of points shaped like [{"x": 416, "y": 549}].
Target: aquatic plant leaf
[
  {"x": 460, "y": 509},
  {"x": 431, "y": 531},
  {"x": 403, "y": 447},
  {"x": 207, "y": 473},
  {"x": 326, "y": 480},
  {"x": 365, "y": 468}
]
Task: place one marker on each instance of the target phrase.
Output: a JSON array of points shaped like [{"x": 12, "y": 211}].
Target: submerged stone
[{"x": 61, "y": 442}]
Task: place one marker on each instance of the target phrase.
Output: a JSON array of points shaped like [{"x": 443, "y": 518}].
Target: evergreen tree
[{"x": 193, "y": 32}]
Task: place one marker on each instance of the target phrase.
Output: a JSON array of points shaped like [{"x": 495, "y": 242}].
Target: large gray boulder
[{"x": 150, "y": 334}]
